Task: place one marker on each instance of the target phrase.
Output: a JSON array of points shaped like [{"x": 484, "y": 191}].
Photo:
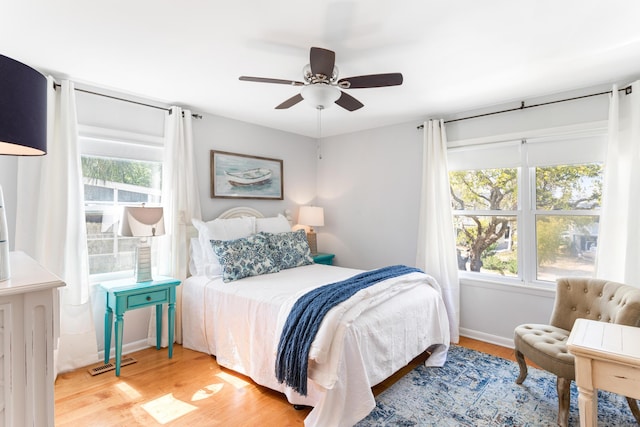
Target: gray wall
[{"x": 369, "y": 187}]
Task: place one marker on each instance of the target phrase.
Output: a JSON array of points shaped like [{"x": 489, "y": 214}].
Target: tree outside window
[{"x": 486, "y": 202}]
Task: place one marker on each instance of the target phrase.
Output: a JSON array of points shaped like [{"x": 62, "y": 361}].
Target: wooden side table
[
  {"x": 126, "y": 294},
  {"x": 321, "y": 258},
  {"x": 607, "y": 357}
]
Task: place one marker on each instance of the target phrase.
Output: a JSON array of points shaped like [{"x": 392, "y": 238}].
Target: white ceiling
[{"x": 454, "y": 55}]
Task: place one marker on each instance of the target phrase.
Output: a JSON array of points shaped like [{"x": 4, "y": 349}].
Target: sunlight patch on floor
[
  {"x": 128, "y": 391},
  {"x": 206, "y": 392},
  {"x": 167, "y": 408},
  {"x": 234, "y": 381}
]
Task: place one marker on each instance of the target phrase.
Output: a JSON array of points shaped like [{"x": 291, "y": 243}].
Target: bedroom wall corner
[{"x": 369, "y": 186}]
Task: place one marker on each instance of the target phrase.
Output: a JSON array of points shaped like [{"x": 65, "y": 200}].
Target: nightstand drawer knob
[{"x": 147, "y": 298}]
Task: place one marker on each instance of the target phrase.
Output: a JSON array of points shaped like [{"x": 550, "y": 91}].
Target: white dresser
[{"x": 29, "y": 322}]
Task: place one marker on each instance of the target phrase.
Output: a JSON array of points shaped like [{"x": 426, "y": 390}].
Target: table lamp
[
  {"x": 23, "y": 127},
  {"x": 313, "y": 216},
  {"x": 142, "y": 222}
]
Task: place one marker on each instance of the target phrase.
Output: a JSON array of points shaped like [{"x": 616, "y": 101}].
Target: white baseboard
[
  {"x": 482, "y": 336},
  {"x": 126, "y": 348}
]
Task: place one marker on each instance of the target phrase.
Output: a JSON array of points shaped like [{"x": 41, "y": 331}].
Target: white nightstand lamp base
[{"x": 142, "y": 271}]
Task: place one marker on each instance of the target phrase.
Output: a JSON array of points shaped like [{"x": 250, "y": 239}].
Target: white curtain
[
  {"x": 181, "y": 202},
  {"x": 619, "y": 233},
  {"x": 436, "y": 253},
  {"x": 50, "y": 226}
]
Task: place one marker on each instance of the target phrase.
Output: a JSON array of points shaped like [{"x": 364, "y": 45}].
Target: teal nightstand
[
  {"x": 126, "y": 294},
  {"x": 321, "y": 258}
]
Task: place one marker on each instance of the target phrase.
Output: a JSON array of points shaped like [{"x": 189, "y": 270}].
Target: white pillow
[
  {"x": 277, "y": 224},
  {"x": 219, "y": 229},
  {"x": 231, "y": 228},
  {"x": 196, "y": 261}
]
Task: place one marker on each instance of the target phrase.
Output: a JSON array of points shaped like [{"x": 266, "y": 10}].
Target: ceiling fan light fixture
[
  {"x": 321, "y": 87},
  {"x": 320, "y": 96}
]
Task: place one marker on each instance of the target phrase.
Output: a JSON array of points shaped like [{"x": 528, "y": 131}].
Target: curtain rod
[
  {"x": 194, "y": 115},
  {"x": 627, "y": 91}
]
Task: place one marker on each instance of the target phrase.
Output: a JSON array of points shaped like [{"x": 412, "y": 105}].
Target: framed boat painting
[{"x": 239, "y": 176}]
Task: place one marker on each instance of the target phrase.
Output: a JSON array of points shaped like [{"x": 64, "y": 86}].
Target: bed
[{"x": 361, "y": 342}]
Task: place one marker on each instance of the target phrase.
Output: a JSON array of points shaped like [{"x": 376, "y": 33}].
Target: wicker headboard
[
  {"x": 247, "y": 211},
  {"x": 240, "y": 212}
]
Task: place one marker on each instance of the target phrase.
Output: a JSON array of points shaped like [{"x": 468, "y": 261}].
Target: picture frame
[{"x": 241, "y": 176}]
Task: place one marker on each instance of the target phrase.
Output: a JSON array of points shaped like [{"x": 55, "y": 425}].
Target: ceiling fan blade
[
  {"x": 371, "y": 80},
  {"x": 290, "y": 102},
  {"x": 267, "y": 80},
  {"x": 348, "y": 102},
  {"x": 322, "y": 61}
]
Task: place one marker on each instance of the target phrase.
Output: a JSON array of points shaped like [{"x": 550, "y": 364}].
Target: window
[
  {"x": 110, "y": 184},
  {"x": 529, "y": 210},
  {"x": 118, "y": 170},
  {"x": 485, "y": 203}
]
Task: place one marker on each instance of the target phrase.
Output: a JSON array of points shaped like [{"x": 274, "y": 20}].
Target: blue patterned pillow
[
  {"x": 249, "y": 256},
  {"x": 290, "y": 249}
]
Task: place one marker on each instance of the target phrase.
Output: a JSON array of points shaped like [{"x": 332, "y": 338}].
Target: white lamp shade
[
  {"x": 311, "y": 215},
  {"x": 142, "y": 222},
  {"x": 320, "y": 95}
]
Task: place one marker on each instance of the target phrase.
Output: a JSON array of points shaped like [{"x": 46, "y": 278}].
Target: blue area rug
[{"x": 476, "y": 389}]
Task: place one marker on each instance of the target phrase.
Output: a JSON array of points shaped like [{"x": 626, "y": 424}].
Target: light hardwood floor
[{"x": 188, "y": 390}]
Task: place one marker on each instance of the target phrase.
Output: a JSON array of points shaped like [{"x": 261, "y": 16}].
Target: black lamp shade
[{"x": 23, "y": 109}]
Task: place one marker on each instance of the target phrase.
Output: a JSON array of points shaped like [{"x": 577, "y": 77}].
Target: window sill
[
  {"x": 103, "y": 277},
  {"x": 512, "y": 285}
]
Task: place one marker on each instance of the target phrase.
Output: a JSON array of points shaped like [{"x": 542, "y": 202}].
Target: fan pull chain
[{"x": 319, "y": 132}]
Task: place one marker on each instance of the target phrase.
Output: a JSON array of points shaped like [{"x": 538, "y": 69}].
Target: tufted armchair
[{"x": 545, "y": 345}]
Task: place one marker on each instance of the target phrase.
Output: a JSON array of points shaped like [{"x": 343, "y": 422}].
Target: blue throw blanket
[{"x": 305, "y": 317}]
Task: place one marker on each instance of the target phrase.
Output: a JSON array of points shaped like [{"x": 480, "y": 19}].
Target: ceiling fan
[{"x": 321, "y": 86}]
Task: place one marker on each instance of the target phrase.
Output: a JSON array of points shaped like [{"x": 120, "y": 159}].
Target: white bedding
[{"x": 240, "y": 322}]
